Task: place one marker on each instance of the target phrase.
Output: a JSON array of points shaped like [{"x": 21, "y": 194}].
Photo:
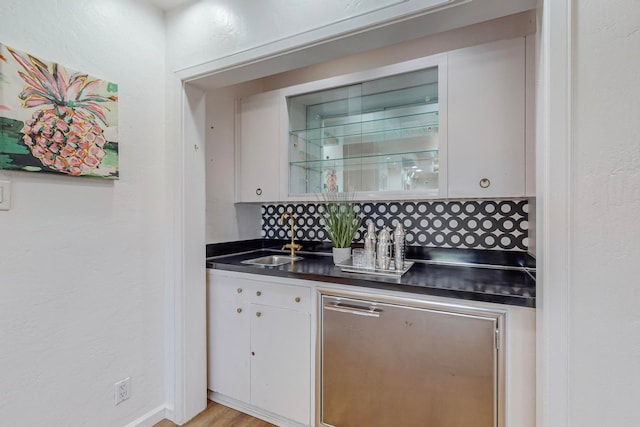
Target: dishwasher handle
[{"x": 370, "y": 311}]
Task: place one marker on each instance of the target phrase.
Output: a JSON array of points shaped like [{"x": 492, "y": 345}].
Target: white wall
[
  {"x": 521, "y": 24},
  {"x": 210, "y": 30},
  {"x": 226, "y": 220},
  {"x": 227, "y": 32},
  {"x": 604, "y": 312},
  {"x": 588, "y": 204},
  {"x": 229, "y": 42},
  {"x": 81, "y": 260}
]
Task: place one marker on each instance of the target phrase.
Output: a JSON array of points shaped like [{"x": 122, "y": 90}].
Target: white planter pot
[{"x": 341, "y": 255}]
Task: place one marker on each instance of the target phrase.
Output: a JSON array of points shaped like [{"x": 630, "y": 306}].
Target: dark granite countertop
[{"x": 479, "y": 275}]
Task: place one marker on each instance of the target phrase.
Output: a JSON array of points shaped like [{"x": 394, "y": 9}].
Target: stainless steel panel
[{"x": 406, "y": 366}]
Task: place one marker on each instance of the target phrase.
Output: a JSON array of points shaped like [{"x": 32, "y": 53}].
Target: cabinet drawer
[
  {"x": 284, "y": 296},
  {"x": 235, "y": 290}
]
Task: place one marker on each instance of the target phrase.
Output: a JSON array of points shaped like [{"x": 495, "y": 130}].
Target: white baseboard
[
  {"x": 150, "y": 418},
  {"x": 252, "y": 410}
]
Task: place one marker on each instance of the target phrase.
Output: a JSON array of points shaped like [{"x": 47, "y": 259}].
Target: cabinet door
[
  {"x": 229, "y": 342},
  {"x": 486, "y": 140},
  {"x": 280, "y": 361},
  {"x": 258, "y": 167}
]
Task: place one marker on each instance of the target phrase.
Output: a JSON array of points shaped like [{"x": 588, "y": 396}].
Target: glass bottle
[
  {"x": 384, "y": 249},
  {"x": 399, "y": 246}
]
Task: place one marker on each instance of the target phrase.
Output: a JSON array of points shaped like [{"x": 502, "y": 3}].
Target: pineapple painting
[{"x": 56, "y": 120}]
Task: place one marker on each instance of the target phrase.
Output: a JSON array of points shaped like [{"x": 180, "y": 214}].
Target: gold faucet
[{"x": 293, "y": 245}]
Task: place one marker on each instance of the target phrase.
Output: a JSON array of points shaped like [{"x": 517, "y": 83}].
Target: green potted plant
[{"x": 341, "y": 222}]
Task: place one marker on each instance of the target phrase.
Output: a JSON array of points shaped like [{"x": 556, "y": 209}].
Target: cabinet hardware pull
[
  {"x": 485, "y": 183},
  {"x": 239, "y": 290},
  {"x": 259, "y": 191},
  {"x": 239, "y": 310},
  {"x": 258, "y": 314},
  {"x": 297, "y": 299},
  {"x": 253, "y": 353},
  {"x": 258, "y": 293},
  {"x": 370, "y": 311}
]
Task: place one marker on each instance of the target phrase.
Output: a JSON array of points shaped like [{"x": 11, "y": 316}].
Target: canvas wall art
[{"x": 56, "y": 120}]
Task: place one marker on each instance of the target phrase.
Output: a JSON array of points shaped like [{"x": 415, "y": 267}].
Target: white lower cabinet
[
  {"x": 259, "y": 349},
  {"x": 263, "y": 338},
  {"x": 280, "y": 361},
  {"x": 229, "y": 319}
]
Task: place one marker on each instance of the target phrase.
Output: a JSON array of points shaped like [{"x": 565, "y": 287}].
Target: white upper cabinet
[
  {"x": 258, "y": 148},
  {"x": 451, "y": 125},
  {"x": 486, "y": 139}
]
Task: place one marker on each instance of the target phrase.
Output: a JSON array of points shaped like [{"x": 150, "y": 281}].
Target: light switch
[{"x": 5, "y": 195}]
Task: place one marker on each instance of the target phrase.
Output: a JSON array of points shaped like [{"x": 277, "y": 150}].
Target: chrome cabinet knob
[
  {"x": 259, "y": 191},
  {"x": 239, "y": 310},
  {"x": 258, "y": 314},
  {"x": 297, "y": 299},
  {"x": 239, "y": 290},
  {"x": 258, "y": 293},
  {"x": 485, "y": 183}
]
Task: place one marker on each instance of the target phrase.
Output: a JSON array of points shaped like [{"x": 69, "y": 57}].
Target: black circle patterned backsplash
[{"x": 486, "y": 224}]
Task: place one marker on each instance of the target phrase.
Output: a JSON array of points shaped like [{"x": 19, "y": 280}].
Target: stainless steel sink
[{"x": 272, "y": 260}]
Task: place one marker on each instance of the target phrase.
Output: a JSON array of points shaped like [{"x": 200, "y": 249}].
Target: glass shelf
[
  {"x": 397, "y": 172},
  {"x": 389, "y": 128},
  {"x": 373, "y": 160}
]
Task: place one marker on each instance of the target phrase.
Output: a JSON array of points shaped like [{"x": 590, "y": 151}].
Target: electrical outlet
[{"x": 122, "y": 390}]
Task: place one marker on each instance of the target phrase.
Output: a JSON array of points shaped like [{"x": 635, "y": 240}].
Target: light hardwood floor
[{"x": 217, "y": 415}]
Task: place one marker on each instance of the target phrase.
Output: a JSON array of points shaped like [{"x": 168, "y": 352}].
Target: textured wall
[
  {"x": 81, "y": 260},
  {"x": 216, "y": 35},
  {"x": 604, "y": 315},
  {"x": 208, "y": 30},
  {"x": 226, "y": 220}
]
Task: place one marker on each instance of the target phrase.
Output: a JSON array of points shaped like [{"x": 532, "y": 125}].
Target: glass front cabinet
[
  {"x": 452, "y": 125},
  {"x": 378, "y": 137}
]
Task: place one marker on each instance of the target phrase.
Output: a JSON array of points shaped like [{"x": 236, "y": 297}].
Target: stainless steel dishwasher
[{"x": 408, "y": 364}]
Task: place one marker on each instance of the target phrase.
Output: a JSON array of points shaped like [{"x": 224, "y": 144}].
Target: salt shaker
[{"x": 398, "y": 246}]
